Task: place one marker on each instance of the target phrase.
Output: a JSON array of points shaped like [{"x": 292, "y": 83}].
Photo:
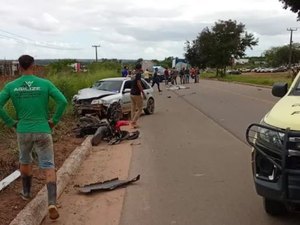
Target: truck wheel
[{"x": 274, "y": 208}]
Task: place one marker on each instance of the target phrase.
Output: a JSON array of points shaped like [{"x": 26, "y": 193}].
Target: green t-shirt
[{"x": 30, "y": 97}]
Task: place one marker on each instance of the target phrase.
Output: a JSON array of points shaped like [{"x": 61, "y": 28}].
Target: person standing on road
[
  {"x": 137, "y": 95},
  {"x": 147, "y": 75},
  {"x": 155, "y": 79},
  {"x": 181, "y": 75},
  {"x": 187, "y": 75},
  {"x": 174, "y": 74},
  {"x": 30, "y": 97},
  {"x": 125, "y": 72},
  {"x": 167, "y": 76}
]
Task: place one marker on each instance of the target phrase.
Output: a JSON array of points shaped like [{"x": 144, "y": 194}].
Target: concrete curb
[{"x": 37, "y": 209}]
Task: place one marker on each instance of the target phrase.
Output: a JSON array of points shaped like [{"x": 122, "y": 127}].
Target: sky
[{"x": 132, "y": 29}]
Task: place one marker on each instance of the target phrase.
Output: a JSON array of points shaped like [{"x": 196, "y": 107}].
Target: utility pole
[
  {"x": 291, "y": 48},
  {"x": 96, "y": 51}
]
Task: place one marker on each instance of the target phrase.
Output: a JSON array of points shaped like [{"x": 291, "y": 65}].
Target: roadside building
[{"x": 9, "y": 68}]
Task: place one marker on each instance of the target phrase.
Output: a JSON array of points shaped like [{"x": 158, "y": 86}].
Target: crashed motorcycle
[
  {"x": 111, "y": 131},
  {"x": 105, "y": 129}
]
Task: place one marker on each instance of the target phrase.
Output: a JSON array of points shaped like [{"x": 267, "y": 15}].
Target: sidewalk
[
  {"x": 85, "y": 165},
  {"x": 104, "y": 162}
]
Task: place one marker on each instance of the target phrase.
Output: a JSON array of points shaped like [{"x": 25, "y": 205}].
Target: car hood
[
  {"x": 88, "y": 93},
  {"x": 285, "y": 113}
]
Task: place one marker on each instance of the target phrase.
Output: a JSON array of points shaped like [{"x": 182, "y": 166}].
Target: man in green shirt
[{"x": 30, "y": 97}]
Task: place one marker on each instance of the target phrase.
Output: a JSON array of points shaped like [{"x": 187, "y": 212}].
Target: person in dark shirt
[
  {"x": 137, "y": 95},
  {"x": 125, "y": 72},
  {"x": 155, "y": 79},
  {"x": 167, "y": 76}
]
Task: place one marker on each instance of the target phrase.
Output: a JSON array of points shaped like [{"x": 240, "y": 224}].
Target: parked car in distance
[
  {"x": 235, "y": 72},
  {"x": 108, "y": 91}
]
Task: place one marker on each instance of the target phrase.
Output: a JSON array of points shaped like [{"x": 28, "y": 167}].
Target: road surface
[{"x": 193, "y": 160}]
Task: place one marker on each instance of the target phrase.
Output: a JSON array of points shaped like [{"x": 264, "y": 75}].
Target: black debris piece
[{"x": 107, "y": 185}]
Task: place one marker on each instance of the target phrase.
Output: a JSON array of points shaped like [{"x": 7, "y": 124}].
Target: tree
[
  {"x": 278, "y": 56},
  {"x": 167, "y": 62},
  {"x": 217, "y": 47},
  {"x": 61, "y": 66},
  {"x": 294, "y": 5}
]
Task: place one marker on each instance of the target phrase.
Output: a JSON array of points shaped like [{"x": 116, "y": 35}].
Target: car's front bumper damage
[{"x": 93, "y": 109}]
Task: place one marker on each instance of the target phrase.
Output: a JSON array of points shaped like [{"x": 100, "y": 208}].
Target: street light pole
[
  {"x": 96, "y": 51},
  {"x": 291, "y": 47}
]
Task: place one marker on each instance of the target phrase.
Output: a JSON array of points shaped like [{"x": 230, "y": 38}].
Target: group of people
[
  {"x": 184, "y": 74},
  {"x": 137, "y": 92},
  {"x": 172, "y": 75}
]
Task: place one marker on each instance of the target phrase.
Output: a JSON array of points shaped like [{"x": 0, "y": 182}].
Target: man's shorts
[{"x": 41, "y": 143}]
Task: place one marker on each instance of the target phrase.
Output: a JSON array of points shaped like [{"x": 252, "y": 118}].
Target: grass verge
[{"x": 267, "y": 79}]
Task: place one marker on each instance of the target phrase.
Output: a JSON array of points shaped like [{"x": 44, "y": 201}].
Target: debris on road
[
  {"x": 9, "y": 179},
  {"x": 107, "y": 185},
  {"x": 176, "y": 87}
]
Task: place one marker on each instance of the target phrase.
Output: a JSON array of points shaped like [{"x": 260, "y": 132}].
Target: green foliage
[
  {"x": 105, "y": 65},
  {"x": 166, "y": 63},
  {"x": 69, "y": 84},
  {"x": 278, "y": 56},
  {"x": 217, "y": 47},
  {"x": 294, "y": 5},
  {"x": 260, "y": 79},
  {"x": 60, "y": 66}
]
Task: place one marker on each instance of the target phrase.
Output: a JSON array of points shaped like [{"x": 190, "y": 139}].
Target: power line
[
  {"x": 96, "y": 51},
  {"x": 27, "y": 41}
]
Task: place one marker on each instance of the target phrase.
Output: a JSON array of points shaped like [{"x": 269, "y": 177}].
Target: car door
[
  {"x": 126, "y": 100},
  {"x": 147, "y": 91}
]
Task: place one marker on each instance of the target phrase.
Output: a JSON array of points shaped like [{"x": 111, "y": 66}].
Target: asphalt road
[{"x": 194, "y": 162}]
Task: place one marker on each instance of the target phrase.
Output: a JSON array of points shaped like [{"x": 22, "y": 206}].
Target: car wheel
[
  {"x": 150, "y": 106},
  {"x": 274, "y": 208}
]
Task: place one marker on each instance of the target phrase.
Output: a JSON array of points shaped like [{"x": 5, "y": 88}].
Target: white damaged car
[{"x": 96, "y": 99}]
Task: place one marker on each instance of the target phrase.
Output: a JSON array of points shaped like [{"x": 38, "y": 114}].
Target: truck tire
[{"x": 274, "y": 208}]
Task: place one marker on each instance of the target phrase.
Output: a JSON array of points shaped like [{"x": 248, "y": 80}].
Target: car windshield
[{"x": 108, "y": 85}]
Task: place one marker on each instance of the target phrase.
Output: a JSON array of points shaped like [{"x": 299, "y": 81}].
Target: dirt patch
[
  {"x": 10, "y": 202},
  {"x": 103, "y": 163}
]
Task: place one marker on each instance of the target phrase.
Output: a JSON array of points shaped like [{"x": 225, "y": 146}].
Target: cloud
[
  {"x": 44, "y": 23},
  {"x": 133, "y": 29}
]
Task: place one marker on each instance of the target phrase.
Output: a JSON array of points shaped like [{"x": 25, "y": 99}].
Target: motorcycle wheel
[
  {"x": 133, "y": 135},
  {"x": 99, "y": 135}
]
